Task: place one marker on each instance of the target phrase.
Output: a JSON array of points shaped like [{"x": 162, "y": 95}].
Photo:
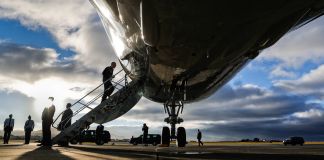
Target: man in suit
[
  {"x": 47, "y": 120},
  {"x": 145, "y": 133},
  {"x": 99, "y": 133},
  {"x": 107, "y": 74},
  {"x": 8, "y": 127},
  {"x": 29, "y": 127},
  {"x": 66, "y": 117}
]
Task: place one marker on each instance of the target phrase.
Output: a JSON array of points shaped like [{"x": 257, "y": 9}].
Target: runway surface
[{"x": 217, "y": 151}]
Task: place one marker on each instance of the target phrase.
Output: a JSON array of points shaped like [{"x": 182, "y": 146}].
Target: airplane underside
[
  {"x": 196, "y": 47},
  {"x": 184, "y": 50}
]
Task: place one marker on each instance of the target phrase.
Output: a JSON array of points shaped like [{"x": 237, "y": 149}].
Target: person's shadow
[{"x": 43, "y": 153}]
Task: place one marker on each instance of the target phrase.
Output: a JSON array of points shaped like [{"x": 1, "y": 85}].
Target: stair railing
[{"x": 59, "y": 126}]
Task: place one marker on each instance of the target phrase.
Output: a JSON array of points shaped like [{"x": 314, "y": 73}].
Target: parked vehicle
[
  {"x": 294, "y": 141},
  {"x": 90, "y": 136},
  {"x": 153, "y": 139}
]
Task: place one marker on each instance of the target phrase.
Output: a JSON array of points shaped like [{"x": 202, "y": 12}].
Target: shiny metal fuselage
[{"x": 187, "y": 49}]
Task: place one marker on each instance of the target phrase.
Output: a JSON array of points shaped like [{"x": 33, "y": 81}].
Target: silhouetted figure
[
  {"x": 107, "y": 74},
  {"x": 145, "y": 133},
  {"x": 199, "y": 138},
  {"x": 66, "y": 117},
  {"x": 8, "y": 127},
  {"x": 47, "y": 120},
  {"x": 29, "y": 127},
  {"x": 99, "y": 132}
]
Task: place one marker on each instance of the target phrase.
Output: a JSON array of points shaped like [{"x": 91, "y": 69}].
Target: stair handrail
[
  {"x": 91, "y": 101},
  {"x": 78, "y": 101}
]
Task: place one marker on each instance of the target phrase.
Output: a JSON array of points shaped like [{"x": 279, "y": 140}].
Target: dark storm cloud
[
  {"x": 271, "y": 128},
  {"x": 32, "y": 64},
  {"x": 244, "y": 112},
  {"x": 247, "y": 102}
]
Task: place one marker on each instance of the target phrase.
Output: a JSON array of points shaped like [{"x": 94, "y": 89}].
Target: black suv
[
  {"x": 90, "y": 136},
  {"x": 153, "y": 139},
  {"x": 294, "y": 141}
]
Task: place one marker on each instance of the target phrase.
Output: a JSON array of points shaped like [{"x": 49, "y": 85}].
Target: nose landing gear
[{"x": 173, "y": 108}]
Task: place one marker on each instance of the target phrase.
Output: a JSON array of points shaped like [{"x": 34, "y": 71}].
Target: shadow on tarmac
[
  {"x": 117, "y": 152},
  {"x": 126, "y": 153},
  {"x": 11, "y": 145},
  {"x": 42, "y": 153}
]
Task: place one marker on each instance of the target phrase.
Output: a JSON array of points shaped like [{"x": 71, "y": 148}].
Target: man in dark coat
[
  {"x": 145, "y": 133},
  {"x": 7, "y": 128},
  {"x": 47, "y": 120},
  {"x": 107, "y": 75},
  {"x": 199, "y": 138},
  {"x": 29, "y": 127},
  {"x": 99, "y": 133},
  {"x": 66, "y": 117}
]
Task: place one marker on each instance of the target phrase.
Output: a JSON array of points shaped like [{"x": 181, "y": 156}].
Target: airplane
[{"x": 182, "y": 51}]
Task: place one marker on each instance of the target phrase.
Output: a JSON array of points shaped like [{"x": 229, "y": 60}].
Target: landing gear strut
[{"x": 173, "y": 108}]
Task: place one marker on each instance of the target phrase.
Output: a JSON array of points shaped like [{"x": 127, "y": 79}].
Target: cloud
[
  {"x": 40, "y": 72},
  {"x": 280, "y": 72},
  {"x": 309, "y": 114},
  {"x": 297, "y": 47},
  {"x": 74, "y": 25},
  {"x": 31, "y": 64},
  {"x": 11, "y": 102},
  {"x": 310, "y": 84}
]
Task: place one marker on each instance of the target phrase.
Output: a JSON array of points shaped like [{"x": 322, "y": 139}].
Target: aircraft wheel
[
  {"x": 181, "y": 137},
  {"x": 166, "y": 136},
  {"x": 73, "y": 141}
]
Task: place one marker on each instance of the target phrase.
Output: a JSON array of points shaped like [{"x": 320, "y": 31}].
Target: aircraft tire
[
  {"x": 166, "y": 136},
  {"x": 74, "y": 141},
  {"x": 181, "y": 137}
]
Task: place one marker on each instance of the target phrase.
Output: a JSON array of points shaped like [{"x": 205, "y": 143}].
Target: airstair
[{"x": 125, "y": 96}]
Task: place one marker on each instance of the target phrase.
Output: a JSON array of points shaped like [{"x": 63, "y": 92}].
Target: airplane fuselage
[{"x": 186, "y": 50}]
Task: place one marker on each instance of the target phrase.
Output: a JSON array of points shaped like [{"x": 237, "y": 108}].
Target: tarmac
[{"x": 122, "y": 150}]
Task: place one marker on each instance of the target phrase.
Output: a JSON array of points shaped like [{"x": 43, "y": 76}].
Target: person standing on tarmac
[
  {"x": 47, "y": 120},
  {"x": 107, "y": 75},
  {"x": 99, "y": 133},
  {"x": 145, "y": 133},
  {"x": 7, "y": 128},
  {"x": 199, "y": 135},
  {"x": 29, "y": 127}
]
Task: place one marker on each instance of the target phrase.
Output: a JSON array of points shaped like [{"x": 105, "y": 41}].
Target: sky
[{"x": 50, "y": 49}]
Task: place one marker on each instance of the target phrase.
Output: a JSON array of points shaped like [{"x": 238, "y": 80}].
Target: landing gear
[{"x": 173, "y": 108}]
